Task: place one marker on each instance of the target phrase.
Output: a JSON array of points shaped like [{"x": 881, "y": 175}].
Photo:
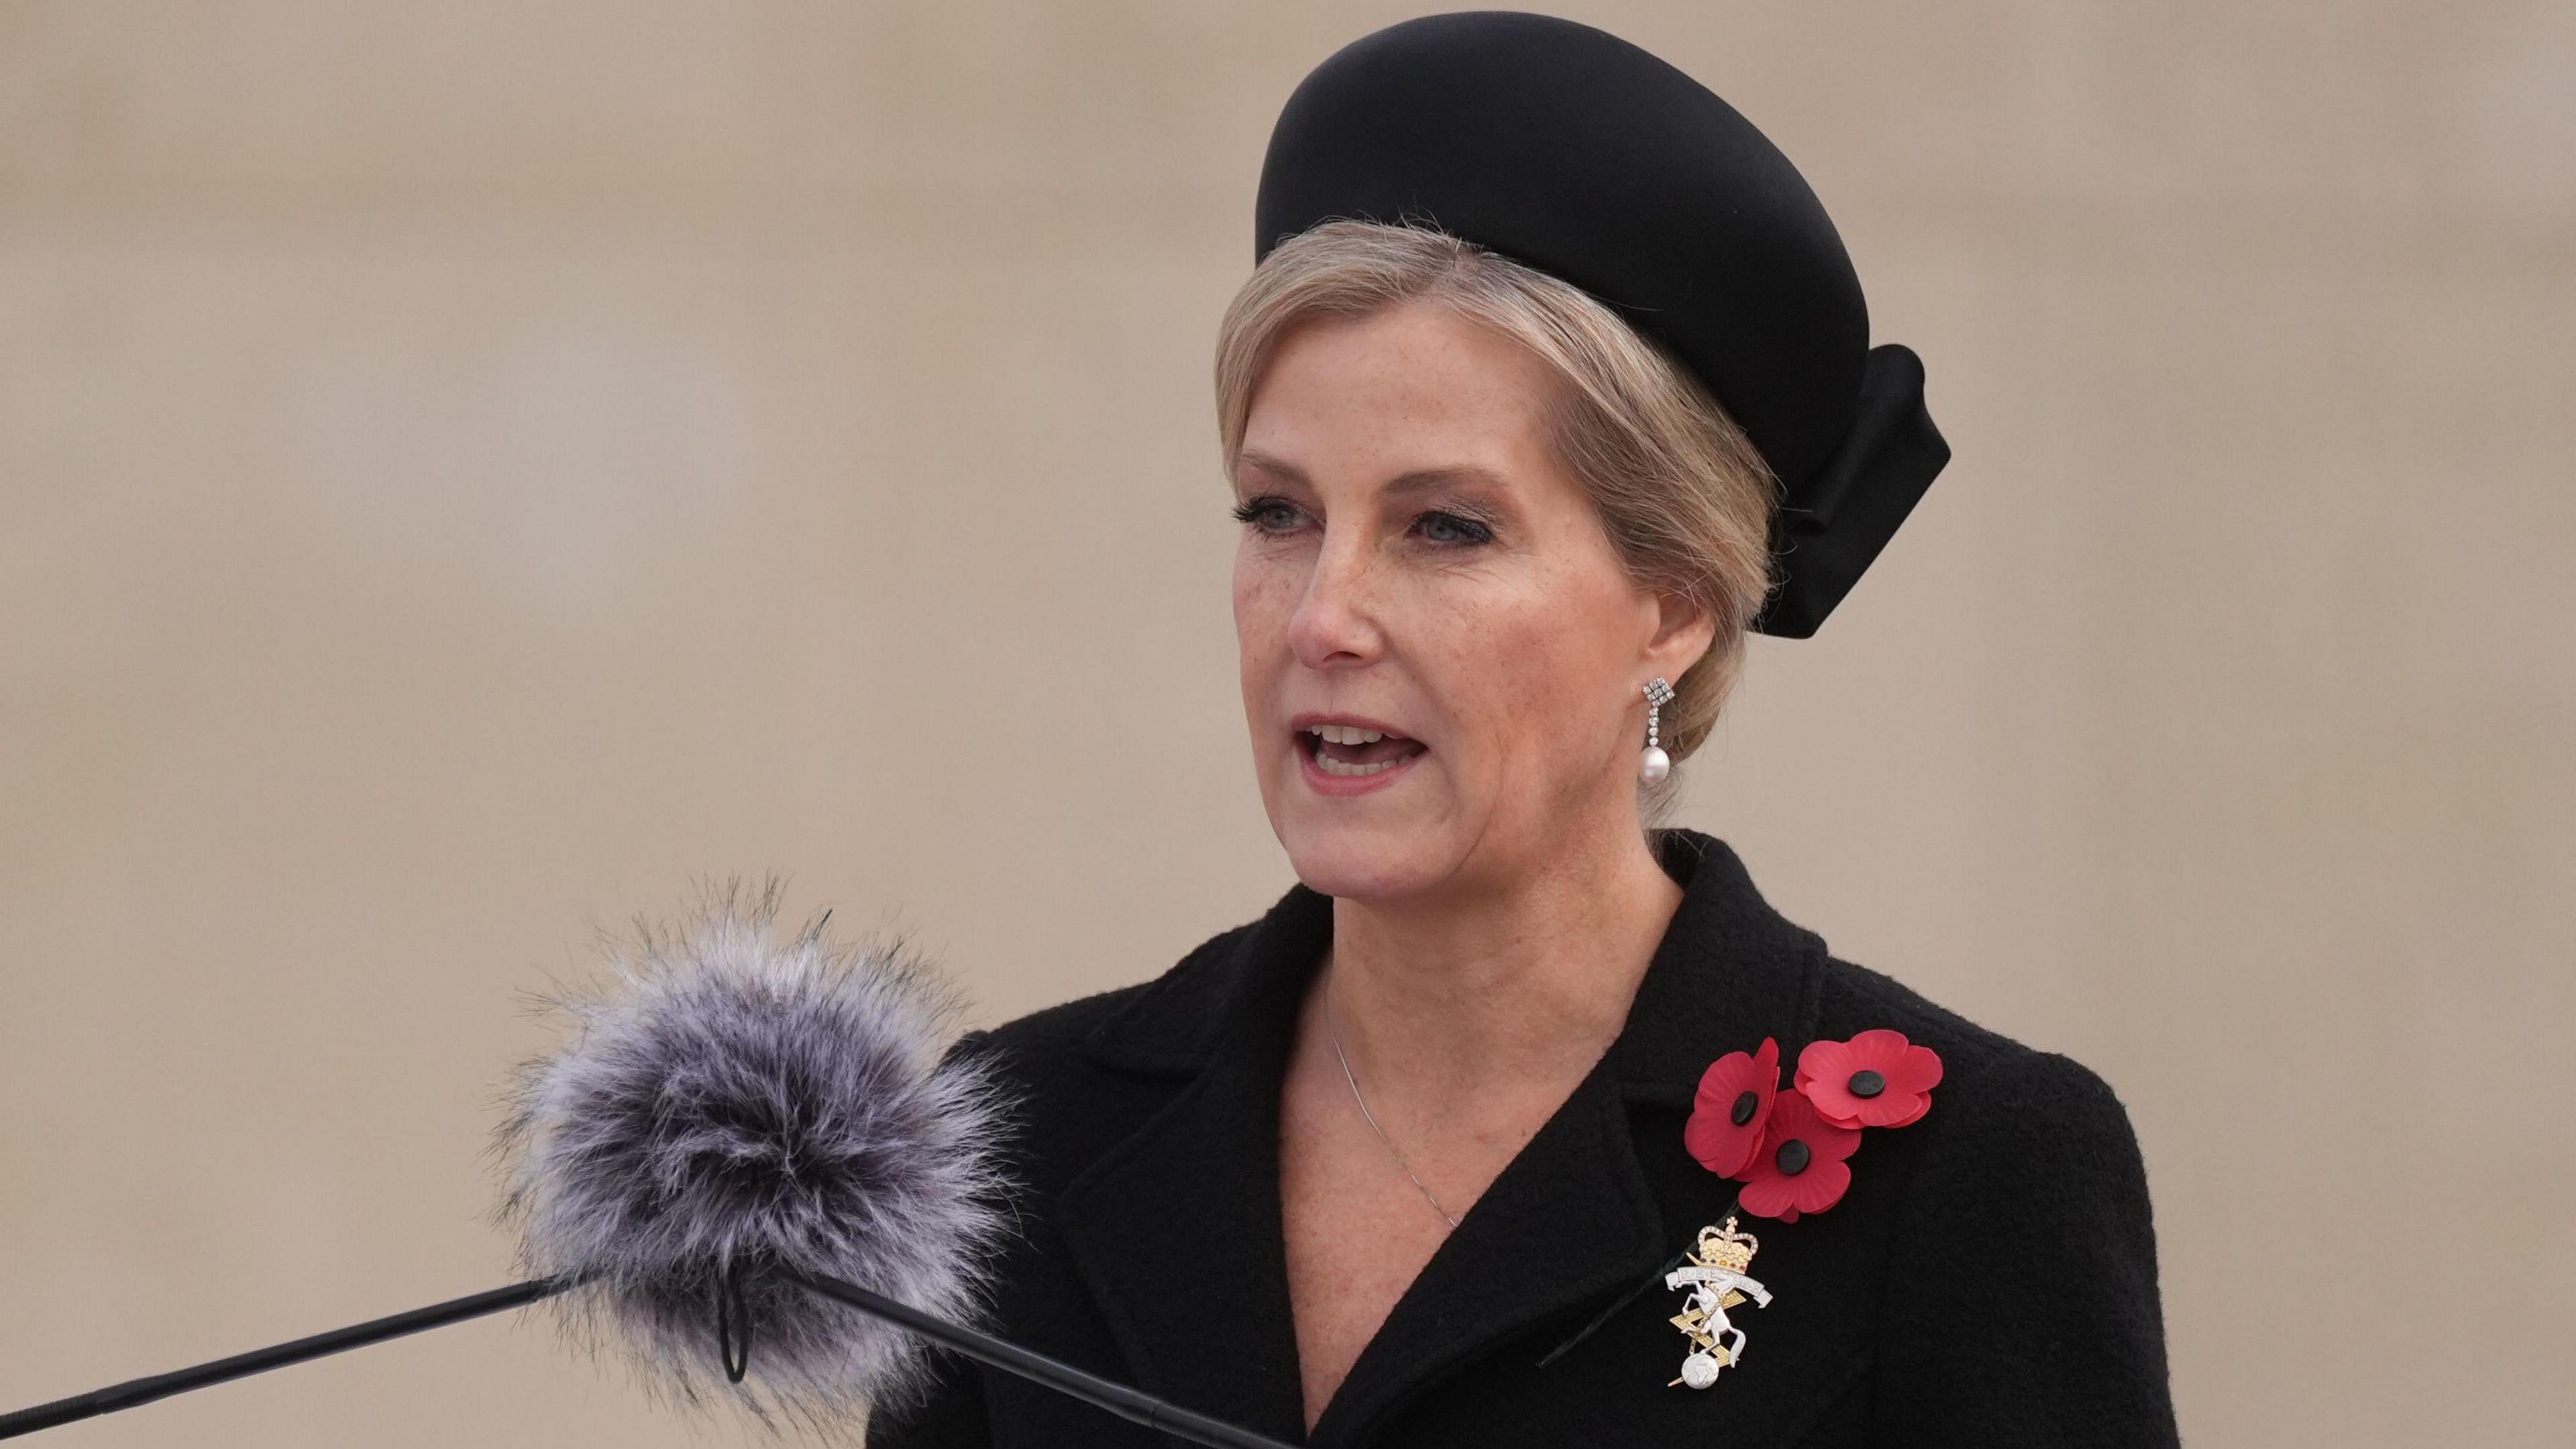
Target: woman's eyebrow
[
  {"x": 1422, "y": 480},
  {"x": 1260, "y": 462},
  {"x": 1419, "y": 480}
]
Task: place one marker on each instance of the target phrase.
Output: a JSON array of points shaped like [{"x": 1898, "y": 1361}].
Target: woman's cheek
[
  {"x": 1263, "y": 597},
  {"x": 1545, "y": 674}
]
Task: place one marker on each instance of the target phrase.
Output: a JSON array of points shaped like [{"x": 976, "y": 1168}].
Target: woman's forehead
[{"x": 1414, "y": 395}]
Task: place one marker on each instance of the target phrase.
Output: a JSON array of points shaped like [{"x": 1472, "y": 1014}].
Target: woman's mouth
[{"x": 1352, "y": 752}]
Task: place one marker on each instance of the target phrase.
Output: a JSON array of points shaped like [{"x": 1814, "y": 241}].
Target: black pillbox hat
[{"x": 1572, "y": 151}]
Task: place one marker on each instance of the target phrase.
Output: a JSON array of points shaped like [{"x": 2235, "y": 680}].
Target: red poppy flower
[
  {"x": 1733, "y": 1106},
  {"x": 1877, "y": 1079},
  {"x": 1800, "y": 1168}
]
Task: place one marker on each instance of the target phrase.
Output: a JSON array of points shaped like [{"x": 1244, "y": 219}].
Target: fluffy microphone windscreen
[{"x": 729, "y": 1103}]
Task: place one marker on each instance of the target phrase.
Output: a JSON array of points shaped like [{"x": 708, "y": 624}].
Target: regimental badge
[{"x": 1714, "y": 1274}]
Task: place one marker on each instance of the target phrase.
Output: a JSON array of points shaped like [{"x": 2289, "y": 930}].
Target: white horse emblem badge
[{"x": 1714, "y": 1274}]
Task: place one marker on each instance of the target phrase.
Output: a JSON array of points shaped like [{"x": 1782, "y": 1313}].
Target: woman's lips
[{"x": 1343, "y": 767}]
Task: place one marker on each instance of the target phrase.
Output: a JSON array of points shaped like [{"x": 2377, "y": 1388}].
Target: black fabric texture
[
  {"x": 1573, "y": 151},
  {"x": 1989, "y": 1279}
]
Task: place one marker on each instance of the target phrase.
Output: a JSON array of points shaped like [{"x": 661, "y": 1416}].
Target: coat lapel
[
  {"x": 1569, "y": 1221},
  {"x": 1177, "y": 1232}
]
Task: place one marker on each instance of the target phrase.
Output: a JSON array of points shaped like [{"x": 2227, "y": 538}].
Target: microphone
[
  {"x": 748, "y": 1166},
  {"x": 730, "y": 1112}
]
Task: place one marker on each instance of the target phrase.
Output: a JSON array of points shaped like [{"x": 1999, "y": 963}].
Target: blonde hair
[{"x": 1683, "y": 496}]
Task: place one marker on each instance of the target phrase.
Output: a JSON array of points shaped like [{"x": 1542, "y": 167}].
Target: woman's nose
[{"x": 1335, "y": 624}]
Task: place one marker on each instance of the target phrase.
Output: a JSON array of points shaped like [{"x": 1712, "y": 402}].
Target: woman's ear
[{"x": 1683, "y": 632}]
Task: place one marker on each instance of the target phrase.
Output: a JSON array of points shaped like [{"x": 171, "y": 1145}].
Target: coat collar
[{"x": 1177, "y": 1232}]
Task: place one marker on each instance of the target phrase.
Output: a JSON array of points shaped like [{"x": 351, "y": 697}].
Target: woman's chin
[{"x": 1366, "y": 860}]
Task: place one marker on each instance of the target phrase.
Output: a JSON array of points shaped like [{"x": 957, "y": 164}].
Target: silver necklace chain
[{"x": 1371, "y": 1117}]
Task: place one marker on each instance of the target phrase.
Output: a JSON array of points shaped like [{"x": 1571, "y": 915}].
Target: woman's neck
[{"x": 1518, "y": 986}]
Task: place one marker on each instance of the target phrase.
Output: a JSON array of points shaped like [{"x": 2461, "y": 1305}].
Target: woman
[{"x": 1475, "y": 1138}]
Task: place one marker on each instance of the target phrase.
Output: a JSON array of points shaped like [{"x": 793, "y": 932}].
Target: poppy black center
[
  {"x": 1792, "y": 1157},
  {"x": 1866, "y": 1084},
  {"x": 1745, "y": 1106}
]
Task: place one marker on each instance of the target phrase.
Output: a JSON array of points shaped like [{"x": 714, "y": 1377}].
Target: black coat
[{"x": 1989, "y": 1279}]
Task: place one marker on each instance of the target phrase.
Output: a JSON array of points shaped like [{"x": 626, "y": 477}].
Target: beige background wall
[{"x": 466, "y": 469}]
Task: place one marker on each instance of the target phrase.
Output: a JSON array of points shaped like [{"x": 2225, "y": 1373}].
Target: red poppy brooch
[{"x": 1791, "y": 1151}]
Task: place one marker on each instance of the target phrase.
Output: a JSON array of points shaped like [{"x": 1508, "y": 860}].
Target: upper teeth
[{"x": 1347, "y": 734}]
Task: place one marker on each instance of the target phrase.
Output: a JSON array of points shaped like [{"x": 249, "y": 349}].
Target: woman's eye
[
  {"x": 1450, "y": 529},
  {"x": 1269, "y": 515}
]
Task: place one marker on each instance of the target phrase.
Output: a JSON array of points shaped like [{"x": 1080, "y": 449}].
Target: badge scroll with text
[{"x": 1714, "y": 1274}]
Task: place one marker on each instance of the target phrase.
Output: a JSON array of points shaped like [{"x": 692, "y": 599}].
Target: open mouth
[{"x": 1350, "y": 752}]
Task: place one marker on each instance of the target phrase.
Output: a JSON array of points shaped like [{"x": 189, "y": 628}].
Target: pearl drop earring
[{"x": 1654, "y": 764}]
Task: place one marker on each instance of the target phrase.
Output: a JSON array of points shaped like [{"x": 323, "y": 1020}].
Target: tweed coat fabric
[{"x": 1989, "y": 1279}]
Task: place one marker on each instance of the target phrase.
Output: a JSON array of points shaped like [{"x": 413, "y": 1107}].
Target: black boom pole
[
  {"x": 134, "y": 1392},
  {"x": 984, "y": 1348}
]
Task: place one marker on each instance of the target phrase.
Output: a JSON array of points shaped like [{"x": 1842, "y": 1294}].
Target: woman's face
[{"x": 1442, "y": 656}]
